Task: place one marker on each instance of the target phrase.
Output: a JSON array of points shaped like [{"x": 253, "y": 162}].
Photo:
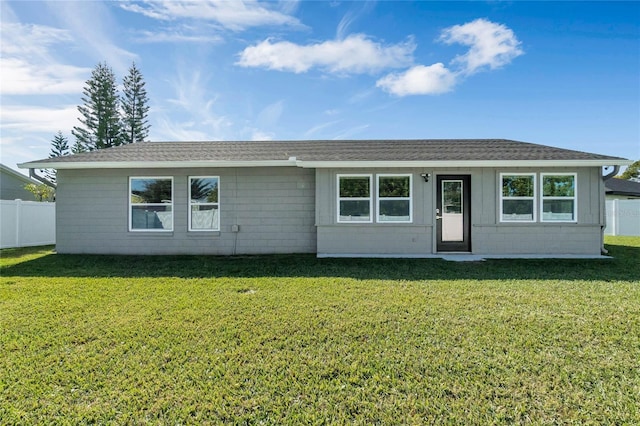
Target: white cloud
[
  {"x": 354, "y": 54},
  {"x": 320, "y": 127},
  {"x": 270, "y": 114},
  {"x": 491, "y": 45},
  {"x": 349, "y": 133},
  {"x": 22, "y": 78},
  {"x": 94, "y": 29},
  {"x": 176, "y": 36},
  {"x": 37, "y": 118},
  {"x": 233, "y": 15},
  {"x": 259, "y": 135},
  {"x": 27, "y": 67},
  {"x": 419, "y": 80}
]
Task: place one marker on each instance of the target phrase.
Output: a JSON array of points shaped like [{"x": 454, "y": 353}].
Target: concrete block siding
[{"x": 273, "y": 207}]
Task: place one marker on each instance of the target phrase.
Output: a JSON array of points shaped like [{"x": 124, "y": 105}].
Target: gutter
[
  {"x": 33, "y": 175},
  {"x": 294, "y": 162}
]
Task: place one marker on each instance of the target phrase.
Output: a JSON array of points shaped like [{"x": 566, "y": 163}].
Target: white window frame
[
  {"x": 190, "y": 203},
  {"x": 132, "y": 178},
  {"x": 574, "y": 198},
  {"x": 409, "y": 198},
  {"x": 370, "y": 198},
  {"x": 533, "y": 199}
]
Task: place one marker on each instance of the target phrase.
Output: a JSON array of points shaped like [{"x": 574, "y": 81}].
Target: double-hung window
[
  {"x": 151, "y": 204},
  {"x": 394, "y": 198},
  {"x": 517, "y": 197},
  {"x": 204, "y": 203},
  {"x": 354, "y": 198},
  {"x": 558, "y": 202}
]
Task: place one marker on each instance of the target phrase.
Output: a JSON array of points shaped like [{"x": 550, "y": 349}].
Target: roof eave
[
  {"x": 153, "y": 164},
  {"x": 292, "y": 162},
  {"x": 465, "y": 163}
]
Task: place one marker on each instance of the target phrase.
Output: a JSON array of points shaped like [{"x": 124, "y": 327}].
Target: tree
[
  {"x": 632, "y": 172},
  {"x": 101, "y": 127},
  {"x": 41, "y": 192},
  {"x": 59, "y": 147},
  {"x": 134, "y": 107}
]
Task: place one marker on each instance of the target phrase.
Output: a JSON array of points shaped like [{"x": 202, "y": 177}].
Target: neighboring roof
[
  {"x": 17, "y": 175},
  {"x": 329, "y": 153},
  {"x": 622, "y": 187}
]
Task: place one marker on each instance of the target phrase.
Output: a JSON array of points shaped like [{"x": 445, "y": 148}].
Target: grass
[{"x": 300, "y": 340}]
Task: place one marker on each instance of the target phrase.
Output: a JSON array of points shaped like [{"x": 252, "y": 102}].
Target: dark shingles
[
  {"x": 329, "y": 150},
  {"x": 622, "y": 187}
]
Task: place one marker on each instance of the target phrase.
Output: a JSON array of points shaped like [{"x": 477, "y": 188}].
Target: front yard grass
[{"x": 295, "y": 339}]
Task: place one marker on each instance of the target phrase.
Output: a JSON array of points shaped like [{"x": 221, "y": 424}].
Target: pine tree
[
  {"x": 59, "y": 147},
  {"x": 134, "y": 107},
  {"x": 101, "y": 127}
]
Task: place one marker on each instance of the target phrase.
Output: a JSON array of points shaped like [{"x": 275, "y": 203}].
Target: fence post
[
  {"x": 614, "y": 219},
  {"x": 18, "y": 214}
]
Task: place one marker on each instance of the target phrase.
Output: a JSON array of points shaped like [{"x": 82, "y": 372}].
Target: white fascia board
[
  {"x": 292, "y": 162},
  {"x": 154, "y": 164},
  {"x": 459, "y": 164}
]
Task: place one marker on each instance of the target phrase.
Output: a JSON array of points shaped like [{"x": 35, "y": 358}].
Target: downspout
[
  {"x": 603, "y": 208},
  {"x": 32, "y": 174}
]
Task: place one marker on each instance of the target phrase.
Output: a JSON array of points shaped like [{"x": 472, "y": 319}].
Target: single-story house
[
  {"x": 395, "y": 198},
  {"x": 621, "y": 189},
  {"x": 12, "y": 185}
]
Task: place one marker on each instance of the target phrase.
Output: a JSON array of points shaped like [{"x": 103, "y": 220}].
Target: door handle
[{"x": 438, "y": 217}]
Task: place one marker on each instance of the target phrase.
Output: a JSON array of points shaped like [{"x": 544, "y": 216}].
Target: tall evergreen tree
[
  {"x": 134, "y": 107},
  {"x": 101, "y": 127},
  {"x": 59, "y": 147}
]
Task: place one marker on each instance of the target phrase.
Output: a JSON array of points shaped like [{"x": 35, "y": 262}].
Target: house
[
  {"x": 621, "y": 189},
  {"x": 12, "y": 185},
  {"x": 395, "y": 198}
]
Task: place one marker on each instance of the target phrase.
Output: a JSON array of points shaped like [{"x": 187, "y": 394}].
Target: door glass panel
[{"x": 452, "y": 211}]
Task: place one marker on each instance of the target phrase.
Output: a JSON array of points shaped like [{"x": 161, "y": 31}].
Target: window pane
[
  {"x": 561, "y": 210},
  {"x": 517, "y": 186},
  {"x": 394, "y": 186},
  {"x": 204, "y": 190},
  {"x": 204, "y": 217},
  {"x": 150, "y": 191},
  {"x": 452, "y": 196},
  {"x": 354, "y": 211},
  {"x": 354, "y": 187},
  {"x": 151, "y": 217},
  {"x": 514, "y": 210},
  {"x": 394, "y": 210},
  {"x": 558, "y": 186}
]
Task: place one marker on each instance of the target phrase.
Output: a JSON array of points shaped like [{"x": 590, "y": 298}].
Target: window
[
  {"x": 558, "y": 197},
  {"x": 204, "y": 204},
  {"x": 151, "y": 204},
  {"x": 517, "y": 197},
  {"x": 354, "y": 198},
  {"x": 394, "y": 198}
]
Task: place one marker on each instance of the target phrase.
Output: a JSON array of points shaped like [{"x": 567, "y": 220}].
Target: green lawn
[{"x": 300, "y": 340}]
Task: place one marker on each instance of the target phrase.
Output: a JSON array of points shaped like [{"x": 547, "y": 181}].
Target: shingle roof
[
  {"x": 622, "y": 187},
  {"x": 431, "y": 150}
]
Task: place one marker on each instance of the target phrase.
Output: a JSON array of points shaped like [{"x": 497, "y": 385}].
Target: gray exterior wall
[
  {"x": 488, "y": 234},
  {"x": 12, "y": 187},
  {"x": 293, "y": 210},
  {"x": 274, "y": 208}
]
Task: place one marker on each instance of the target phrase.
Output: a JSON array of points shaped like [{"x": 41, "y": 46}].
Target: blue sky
[{"x": 565, "y": 74}]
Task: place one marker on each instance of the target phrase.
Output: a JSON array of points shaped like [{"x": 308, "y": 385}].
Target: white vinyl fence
[
  {"x": 623, "y": 217},
  {"x": 27, "y": 223}
]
